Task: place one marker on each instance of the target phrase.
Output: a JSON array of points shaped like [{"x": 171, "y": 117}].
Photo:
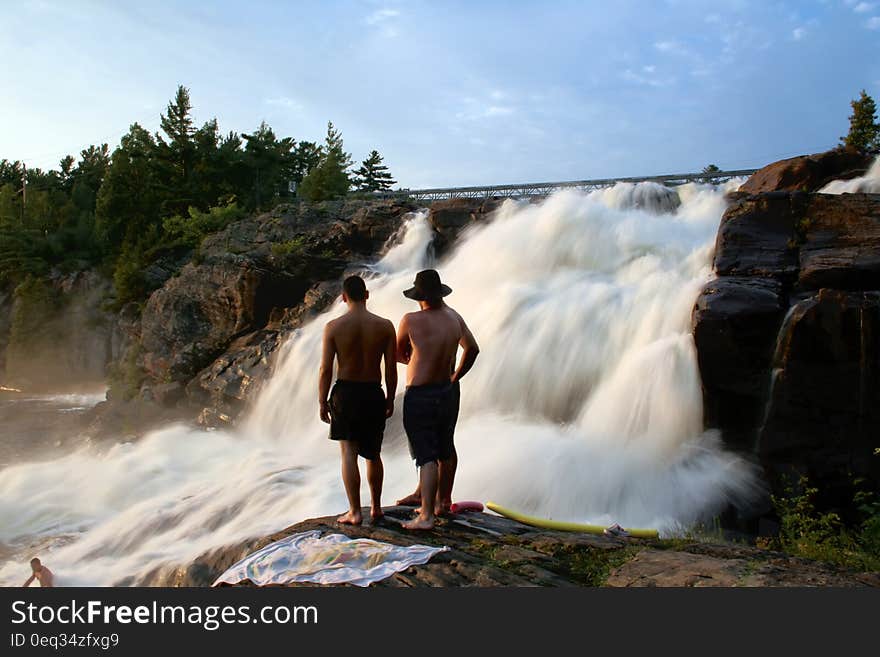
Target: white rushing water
[
  {"x": 867, "y": 184},
  {"x": 584, "y": 404}
]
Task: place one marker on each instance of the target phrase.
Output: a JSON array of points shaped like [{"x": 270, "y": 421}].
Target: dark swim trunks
[
  {"x": 357, "y": 413},
  {"x": 429, "y": 416}
]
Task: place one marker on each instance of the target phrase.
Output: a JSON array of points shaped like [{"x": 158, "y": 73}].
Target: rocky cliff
[
  {"x": 787, "y": 334},
  {"x": 205, "y": 340}
]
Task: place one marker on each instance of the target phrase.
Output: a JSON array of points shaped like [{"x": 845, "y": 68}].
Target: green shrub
[
  {"x": 807, "y": 532},
  {"x": 294, "y": 247},
  {"x": 191, "y": 229}
]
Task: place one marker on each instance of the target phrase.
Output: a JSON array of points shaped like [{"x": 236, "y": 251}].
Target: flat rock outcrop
[{"x": 488, "y": 550}]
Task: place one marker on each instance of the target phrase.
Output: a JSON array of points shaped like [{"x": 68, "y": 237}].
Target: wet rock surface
[{"x": 488, "y": 550}]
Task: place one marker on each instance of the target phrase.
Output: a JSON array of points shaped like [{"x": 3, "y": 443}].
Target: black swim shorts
[
  {"x": 357, "y": 413},
  {"x": 429, "y": 416}
]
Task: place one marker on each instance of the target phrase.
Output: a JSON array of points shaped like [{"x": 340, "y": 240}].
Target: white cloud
[
  {"x": 798, "y": 33},
  {"x": 476, "y": 109},
  {"x": 284, "y": 101},
  {"x": 383, "y": 20},
  {"x": 381, "y": 16},
  {"x": 863, "y": 7},
  {"x": 498, "y": 110},
  {"x": 649, "y": 80},
  {"x": 873, "y": 23},
  {"x": 672, "y": 47}
]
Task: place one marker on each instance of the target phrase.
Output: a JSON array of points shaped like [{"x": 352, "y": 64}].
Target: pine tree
[
  {"x": 864, "y": 131},
  {"x": 329, "y": 179},
  {"x": 373, "y": 176},
  {"x": 176, "y": 153}
]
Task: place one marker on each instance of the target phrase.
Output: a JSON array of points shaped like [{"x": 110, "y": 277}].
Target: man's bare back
[
  {"x": 428, "y": 342},
  {"x": 360, "y": 339},
  {"x": 40, "y": 573},
  {"x": 356, "y": 409}
]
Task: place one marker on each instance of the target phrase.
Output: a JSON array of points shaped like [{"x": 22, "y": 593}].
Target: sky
[{"x": 451, "y": 93}]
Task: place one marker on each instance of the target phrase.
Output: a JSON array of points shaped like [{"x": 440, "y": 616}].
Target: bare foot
[
  {"x": 376, "y": 514},
  {"x": 350, "y": 518},
  {"x": 419, "y": 524},
  {"x": 410, "y": 500},
  {"x": 442, "y": 508}
]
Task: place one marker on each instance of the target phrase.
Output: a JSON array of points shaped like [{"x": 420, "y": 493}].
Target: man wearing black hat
[{"x": 427, "y": 342}]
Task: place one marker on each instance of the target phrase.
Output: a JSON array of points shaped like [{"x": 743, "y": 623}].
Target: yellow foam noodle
[{"x": 564, "y": 526}]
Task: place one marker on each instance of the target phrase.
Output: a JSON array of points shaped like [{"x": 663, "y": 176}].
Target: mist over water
[{"x": 583, "y": 405}]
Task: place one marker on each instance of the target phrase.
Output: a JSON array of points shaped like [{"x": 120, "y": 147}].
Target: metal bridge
[{"x": 525, "y": 190}]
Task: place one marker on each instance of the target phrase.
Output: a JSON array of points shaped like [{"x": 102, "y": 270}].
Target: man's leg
[
  {"x": 413, "y": 499},
  {"x": 447, "y": 479},
  {"x": 351, "y": 478},
  {"x": 428, "y": 485},
  {"x": 375, "y": 476}
]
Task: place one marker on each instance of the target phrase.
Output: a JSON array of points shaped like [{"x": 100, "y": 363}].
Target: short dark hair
[
  {"x": 355, "y": 288},
  {"x": 35, "y": 561}
]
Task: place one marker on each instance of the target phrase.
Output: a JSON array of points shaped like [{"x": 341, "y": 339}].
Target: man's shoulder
[{"x": 333, "y": 324}]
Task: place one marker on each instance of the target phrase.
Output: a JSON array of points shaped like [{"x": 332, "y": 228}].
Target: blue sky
[{"x": 452, "y": 93}]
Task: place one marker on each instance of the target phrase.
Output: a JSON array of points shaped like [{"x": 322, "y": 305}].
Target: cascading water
[
  {"x": 867, "y": 184},
  {"x": 584, "y": 404}
]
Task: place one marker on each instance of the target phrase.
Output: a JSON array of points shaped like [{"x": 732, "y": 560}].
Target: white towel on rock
[{"x": 332, "y": 559}]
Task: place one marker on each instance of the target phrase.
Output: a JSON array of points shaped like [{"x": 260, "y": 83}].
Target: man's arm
[
  {"x": 29, "y": 581},
  {"x": 328, "y": 353},
  {"x": 404, "y": 345},
  {"x": 390, "y": 370},
  {"x": 469, "y": 355}
]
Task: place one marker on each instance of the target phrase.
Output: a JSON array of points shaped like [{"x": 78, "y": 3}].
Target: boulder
[
  {"x": 757, "y": 237},
  {"x": 823, "y": 416},
  {"x": 840, "y": 242},
  {"x": 735, "y": 322},
  {"x": 808, "y": 173}
]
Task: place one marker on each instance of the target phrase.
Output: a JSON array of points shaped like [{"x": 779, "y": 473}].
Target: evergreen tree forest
[{"x": 120, "y": 209}]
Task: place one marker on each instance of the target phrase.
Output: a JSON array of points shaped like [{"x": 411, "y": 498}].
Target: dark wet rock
[
  {"x": 451, "y": 216},
  {"x": 487, "y": 550},
  {"x": 787, "y": 338},
  {"x": 823, "y": 418},
  {"x": 735, "y": 322},
  {"x": 840, "y": 242},
  {"x": 757, "y": 237},
  {"x": 808, "y": 173}
]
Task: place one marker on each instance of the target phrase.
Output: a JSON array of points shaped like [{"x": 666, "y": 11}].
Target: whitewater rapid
[{"x": 584, "y": 404}]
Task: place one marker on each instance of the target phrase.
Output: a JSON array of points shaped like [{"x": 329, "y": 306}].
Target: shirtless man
[
  {"x": 356, "y": 410},
  {"x": 40, "y": 573},
  {"x": 428, "y": 341}
]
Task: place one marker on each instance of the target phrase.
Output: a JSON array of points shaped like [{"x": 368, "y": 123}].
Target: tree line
[{"x": 161, "y": 191}]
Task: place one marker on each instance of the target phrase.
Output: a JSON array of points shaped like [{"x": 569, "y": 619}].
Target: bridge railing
[{"x": 522, "y": 190}]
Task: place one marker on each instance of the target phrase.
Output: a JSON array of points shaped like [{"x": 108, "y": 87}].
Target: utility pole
[{"x": 23, "y": 190}]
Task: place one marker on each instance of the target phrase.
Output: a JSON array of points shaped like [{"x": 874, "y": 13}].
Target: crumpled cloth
[{"x": 333, "y": 559}]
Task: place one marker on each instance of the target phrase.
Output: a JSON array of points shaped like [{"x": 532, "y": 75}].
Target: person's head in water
[
  {"x": 354, "y": 290},
  {"x": 36, "y": 565},
  {"x": 428, "y": 290}
]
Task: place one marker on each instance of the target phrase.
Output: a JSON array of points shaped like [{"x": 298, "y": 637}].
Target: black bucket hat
[{"x": 427, "y": 286}]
